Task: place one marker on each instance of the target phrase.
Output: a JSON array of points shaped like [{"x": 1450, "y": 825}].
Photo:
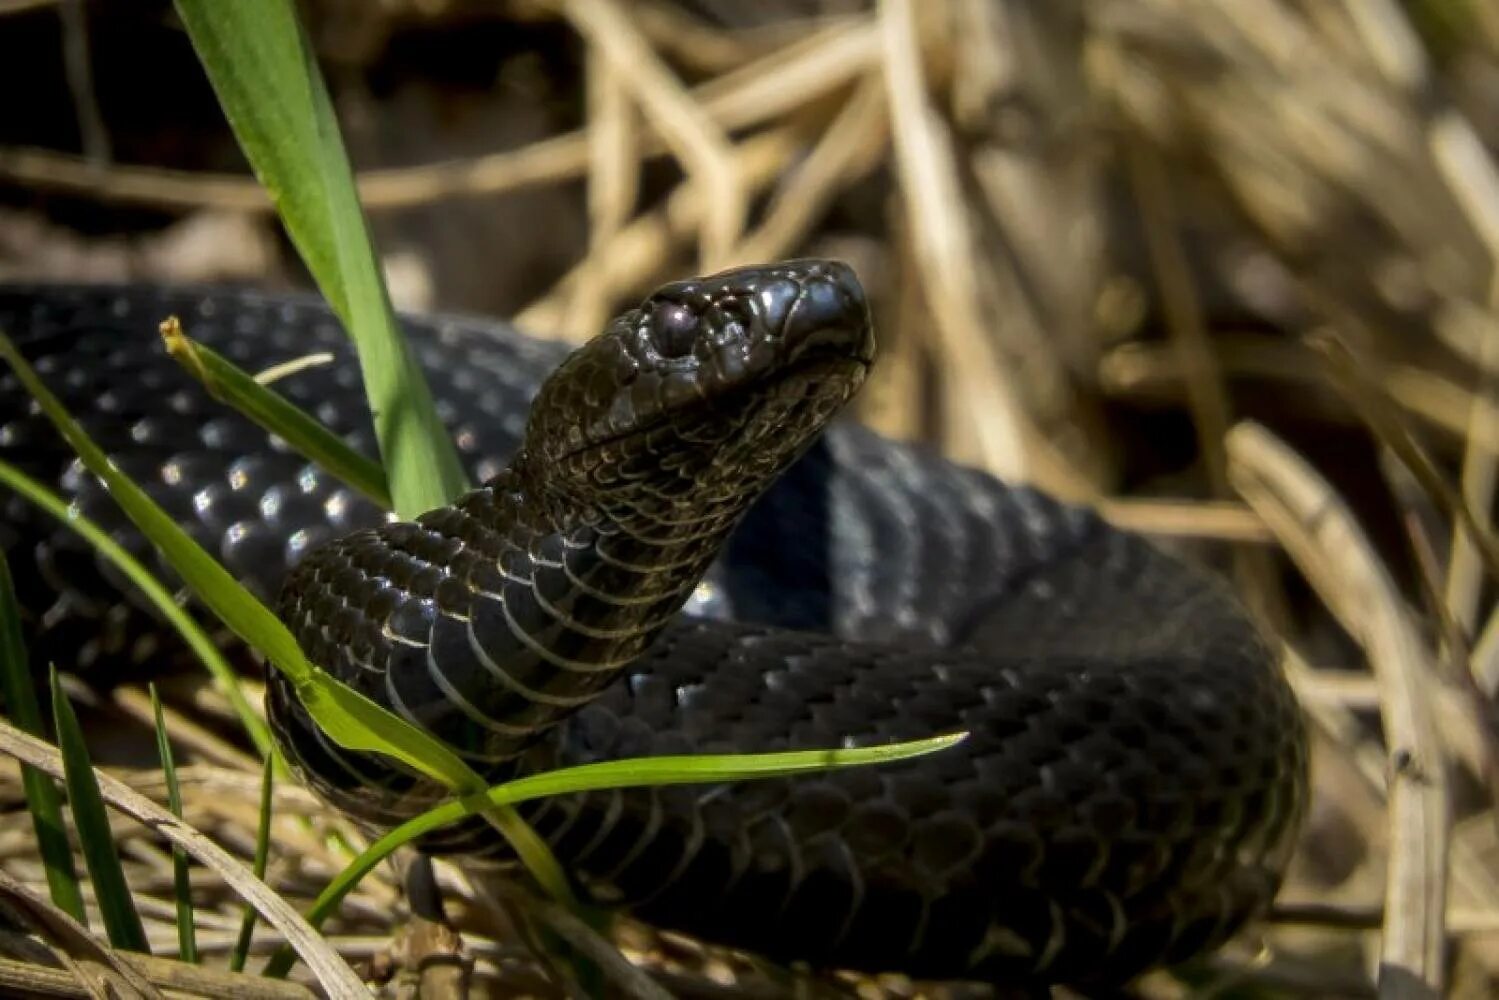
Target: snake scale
[{"x": 671, "y": 555}]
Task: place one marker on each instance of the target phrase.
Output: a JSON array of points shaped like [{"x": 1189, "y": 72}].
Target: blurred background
[{"x": 1227, "y": 270}]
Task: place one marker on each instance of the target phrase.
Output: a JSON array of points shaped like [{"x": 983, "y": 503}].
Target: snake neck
[
  {"x": 589, "y": 583},
  {"x": 490, "y": 620}
]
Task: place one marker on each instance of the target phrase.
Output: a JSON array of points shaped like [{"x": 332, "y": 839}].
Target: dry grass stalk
[
  {"x": 53, "y": 938},
  {"x": 1321, "y": 534},
  {"x": 333, "y": 973},
  {"x": 179, "y": 979},
  {"x": 641, "y": 250},
  {"x": 184, "y": 731},
  {"x": 1368, "y": 399},
  {"x": 699, "y": 144},
  {"x": 1218, "y": 521},
  {"x": 853, "y": 145},
  {"x": 946, "y": 258},
  {"x": 764, "y": 90},
  {"x": 692, "y": 43},
  {"x": 1480, "y": 477},
  {"x": 1154, "y": 372},
  {"x": 613, "y": 183}
]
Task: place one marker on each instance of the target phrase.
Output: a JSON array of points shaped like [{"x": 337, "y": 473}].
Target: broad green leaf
[
  {"x": 95, "y": 838},
  {"x": 192, "y": 633},
  {"x": 306, "y": 436},
  {"x": 42, "y": 799},
  {"x": 182, "y": 889},
  {"x": 261, "y": 66},
  {"x": 640, "y": 771}
]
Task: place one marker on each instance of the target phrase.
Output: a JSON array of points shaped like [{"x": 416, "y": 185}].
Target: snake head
[{"x": 711, "y": 385}]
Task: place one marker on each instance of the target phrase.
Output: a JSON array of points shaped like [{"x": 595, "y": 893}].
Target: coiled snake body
[{"x": 1136, "y": 765}]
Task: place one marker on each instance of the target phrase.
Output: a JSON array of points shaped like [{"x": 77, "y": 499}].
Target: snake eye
[{"x": 673, "y": 329}]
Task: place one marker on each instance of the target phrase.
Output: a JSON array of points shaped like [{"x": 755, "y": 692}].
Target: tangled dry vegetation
[{"x": 1227, "y": 270}]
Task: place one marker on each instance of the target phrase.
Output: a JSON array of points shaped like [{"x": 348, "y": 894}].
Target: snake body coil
[{"x": 1136, "y": 765}]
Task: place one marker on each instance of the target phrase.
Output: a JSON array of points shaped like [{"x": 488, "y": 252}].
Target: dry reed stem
[
  {"x": 1366, "y": 396},
  {"x": 1466, "y": 716},
  {"x": 1008, "y": 80},
  {"x": 177, "y": 978},
  {"x": 1371, "y": 916},
  {"x": 613, "y": 183},
  {"x": 183, "y": 731},
  {"x": 890, "y": 402},
  {"x": 1343, "y": 730},
  {"x": 1325, "y": 156},
  {"x": 78, "y": 67},
  {"x": 946, "y": 258},
  {"x": 1154, "y": 371},
  {"x": 806, "y": 70},
  {"x": 761, "y": 91},
  {"x": 1352, "y": 689},
  {"x": 944, "y": 252},
  {"x": 1186, "y": 326},
  {"x": 1473, "y": 178},
  {"x": 703, "y": 149},
  {"x": 1219, "y": 521},
  {"x": 67, "y": 943},
  {"x": 1480, "y": 476},
  {"x": 332, "y": 972},
  {"x": 693, "y": 43},
  {"x": 1323, "y": 538},
  {"x": 641, "y": 250},
  {"x": 633, "y": 981},
  {"x": 851, "y": 147},
  {"x": 1018, "y": 96},
  {"x": 1486, "y": 657},
  {"x": 562, "y": 157},
  {"x": 1200, "y": 372}
]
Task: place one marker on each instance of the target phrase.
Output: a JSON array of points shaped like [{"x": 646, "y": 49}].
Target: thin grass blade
[
  {"x": 95, "y": 838},
  {"x": 347, "y": 716},
  {"x": 231, "y": 384},
  {"x": 261, "y": 66},
  {"x": 225, "y": 679},
  {"x": 182, "y": 889},
  {"x": 262, "y": 856},
  {"x": 42, "y": 799},
  {"x": 635, "y": 772}
]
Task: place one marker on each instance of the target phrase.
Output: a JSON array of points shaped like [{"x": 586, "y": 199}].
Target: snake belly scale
[{"x": 670, "y": 555}]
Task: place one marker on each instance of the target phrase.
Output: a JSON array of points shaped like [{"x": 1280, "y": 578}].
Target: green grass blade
[
  {"x": 654, "y": 771},
  {"x": 91, "y": 820},
  {"x": 231, "y": 384},
  {"x": 347, "y": 716},
  {"x": 262, "y": 856},
  {"x": 261, "y": 67},
  {"x": 192, "y": 633},
  {"x": 187, "y": 934},
  {"x": 42, "y": 799}
]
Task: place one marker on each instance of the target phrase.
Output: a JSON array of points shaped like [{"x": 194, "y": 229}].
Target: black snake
[{"x": 1136, "y": 767}]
